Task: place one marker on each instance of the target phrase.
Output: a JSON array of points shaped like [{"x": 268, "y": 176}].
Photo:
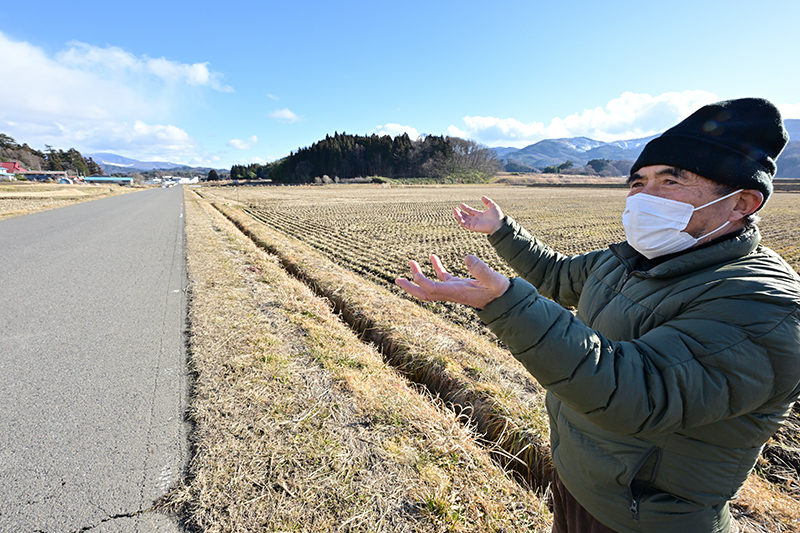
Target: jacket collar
[{"x": 693, "y": 259}]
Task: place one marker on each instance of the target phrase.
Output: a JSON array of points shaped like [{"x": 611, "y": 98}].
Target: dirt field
[
  {"x": 295, "y": 315},
  {"x": 374, "y": 231},
  {"x": 414, "y": 221}
]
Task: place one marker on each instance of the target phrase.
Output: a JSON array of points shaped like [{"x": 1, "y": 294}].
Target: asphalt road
[{"x": 93, "y": 381}]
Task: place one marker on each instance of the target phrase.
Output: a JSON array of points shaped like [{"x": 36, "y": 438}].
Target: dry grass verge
[
  {"x": 301, "y": 426},
  {"x": 27, "y": 197},
  {"x": 780, "y": 460},
  {"x": 503, "y": 401},
  {"x": 474, "y": 375},
  {"x": 762, "y": 508}
]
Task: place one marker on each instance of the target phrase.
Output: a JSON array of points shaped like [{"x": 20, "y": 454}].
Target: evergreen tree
[
  {"x": 7, "y": 142},
  {"x": 93, "y": 169},
  {"x": 351, "y": 156}
]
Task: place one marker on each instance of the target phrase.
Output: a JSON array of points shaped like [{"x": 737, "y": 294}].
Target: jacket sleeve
[
  {"x": 665, "y": 381},
  {"x": 557, "y": 276}
]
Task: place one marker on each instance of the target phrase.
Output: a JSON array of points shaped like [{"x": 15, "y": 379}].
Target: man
[{"x": 684, "y": 355}]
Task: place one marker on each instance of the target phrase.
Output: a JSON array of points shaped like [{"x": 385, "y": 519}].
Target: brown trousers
[{"x": 569, "y": 516}]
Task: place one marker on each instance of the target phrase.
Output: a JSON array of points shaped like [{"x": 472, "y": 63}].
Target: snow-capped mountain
[{"x": 124, "y": 164}]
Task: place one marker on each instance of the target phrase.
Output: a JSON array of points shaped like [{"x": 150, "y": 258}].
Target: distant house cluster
[
  {"x": 9, "y": 172},
  {"x": 119, "y": 180},
  {"x": 170, "y": 181},
  {"x": 12, "y": 169}
]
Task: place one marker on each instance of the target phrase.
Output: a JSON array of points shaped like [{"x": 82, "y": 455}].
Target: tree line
[
  {"x": 54, "y": 160},
  {"x": 352, "y": 156},
  {"x": 71, "y": 161},
  {"x": 595, "y": 167}
]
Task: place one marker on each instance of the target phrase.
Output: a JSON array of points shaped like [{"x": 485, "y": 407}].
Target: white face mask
[{"x": 654, "y": 225}]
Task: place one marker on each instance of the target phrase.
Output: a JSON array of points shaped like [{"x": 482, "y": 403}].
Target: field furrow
[{"x": 471, "y": 374}]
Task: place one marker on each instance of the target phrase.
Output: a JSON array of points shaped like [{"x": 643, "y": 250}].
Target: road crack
[{"x": 114, "y": 517}]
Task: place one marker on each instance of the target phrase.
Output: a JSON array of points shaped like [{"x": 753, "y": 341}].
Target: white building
[{"x": 6, "y": 176}]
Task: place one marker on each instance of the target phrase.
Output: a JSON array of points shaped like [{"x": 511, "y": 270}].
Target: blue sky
[{"x": 224, "y": 83}]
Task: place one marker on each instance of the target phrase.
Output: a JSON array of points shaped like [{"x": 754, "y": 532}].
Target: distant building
[
  {"x": 6, "y": 176},
  {"x": 13, "y": 167},
  {"x": 108, "y": 179},
  {"x": 44, "y": 175}
]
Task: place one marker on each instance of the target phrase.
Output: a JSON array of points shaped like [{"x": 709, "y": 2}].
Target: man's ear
[{"x": 749, "y": 201}]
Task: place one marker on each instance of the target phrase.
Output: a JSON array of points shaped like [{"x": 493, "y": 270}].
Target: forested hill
[
  {"x": 351, "y": 156},
  {"x": 56, "y": 160}
]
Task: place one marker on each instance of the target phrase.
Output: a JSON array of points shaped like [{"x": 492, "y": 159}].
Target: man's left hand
[{"x": 487, "y": 285}]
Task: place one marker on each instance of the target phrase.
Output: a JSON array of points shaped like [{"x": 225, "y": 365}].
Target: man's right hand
[
  {"x": 478, "y": 292},
  {"x": 487, "y": 221}
]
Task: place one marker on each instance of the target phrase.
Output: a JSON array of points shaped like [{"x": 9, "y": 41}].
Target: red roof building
[{"x": 13, "y": 167}]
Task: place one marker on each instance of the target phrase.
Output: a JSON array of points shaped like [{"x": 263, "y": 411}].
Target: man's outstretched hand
[
  {"x": 487, "y": 221},
  {"x": 487, "y": 285}
]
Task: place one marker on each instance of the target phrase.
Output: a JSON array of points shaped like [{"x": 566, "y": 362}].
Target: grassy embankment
[
  {"x": 503, "y": 400},
  {"x": 300, "y": 425},
  {"x": 461, "y": 369}
]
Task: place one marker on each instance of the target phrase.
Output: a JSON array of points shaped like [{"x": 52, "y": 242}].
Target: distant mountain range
[
  {"x": 116, "y": 164},
  {"x": 581, "y": 150}
]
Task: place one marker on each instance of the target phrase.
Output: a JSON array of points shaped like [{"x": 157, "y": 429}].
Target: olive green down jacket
[{"x": 664, "y": 386}]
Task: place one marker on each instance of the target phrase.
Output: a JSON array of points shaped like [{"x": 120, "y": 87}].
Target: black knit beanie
[{"x": 735, "y": 142}]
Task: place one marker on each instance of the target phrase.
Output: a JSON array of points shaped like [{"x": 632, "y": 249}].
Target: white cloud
[
  {"x": 273, "y": 97},
  {"x": 150, "y": 141},
  {"x": 169, "y": 136},
  {"x": 789, "y": 110},
  {"x": 99, "y": 99},
  {"x": 494, "y": 128},
  {"x": 117, "y": 63},
  {"x": 393, "y": 130},
  {"x": 250, "y": 161},
  {"x": 243, "y": 145},
  {"x": 630, "y": 116},
  {"x": 284, "y": 115}
]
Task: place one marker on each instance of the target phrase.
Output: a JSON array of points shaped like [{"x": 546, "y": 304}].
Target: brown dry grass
[
  {"x": 23, "y": 198},
  {"x": 471, "y": 373},
  {"x": 434, "y": 355},
  {"x": 301, "y": 426},
  {"x": 762, "y": 508}
]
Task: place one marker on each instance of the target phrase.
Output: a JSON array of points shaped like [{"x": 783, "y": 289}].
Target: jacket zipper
[{"x": 634, "y": 508}]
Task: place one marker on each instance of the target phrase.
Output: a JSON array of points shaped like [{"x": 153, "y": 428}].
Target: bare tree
[{"x": 471, "y": 155}]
